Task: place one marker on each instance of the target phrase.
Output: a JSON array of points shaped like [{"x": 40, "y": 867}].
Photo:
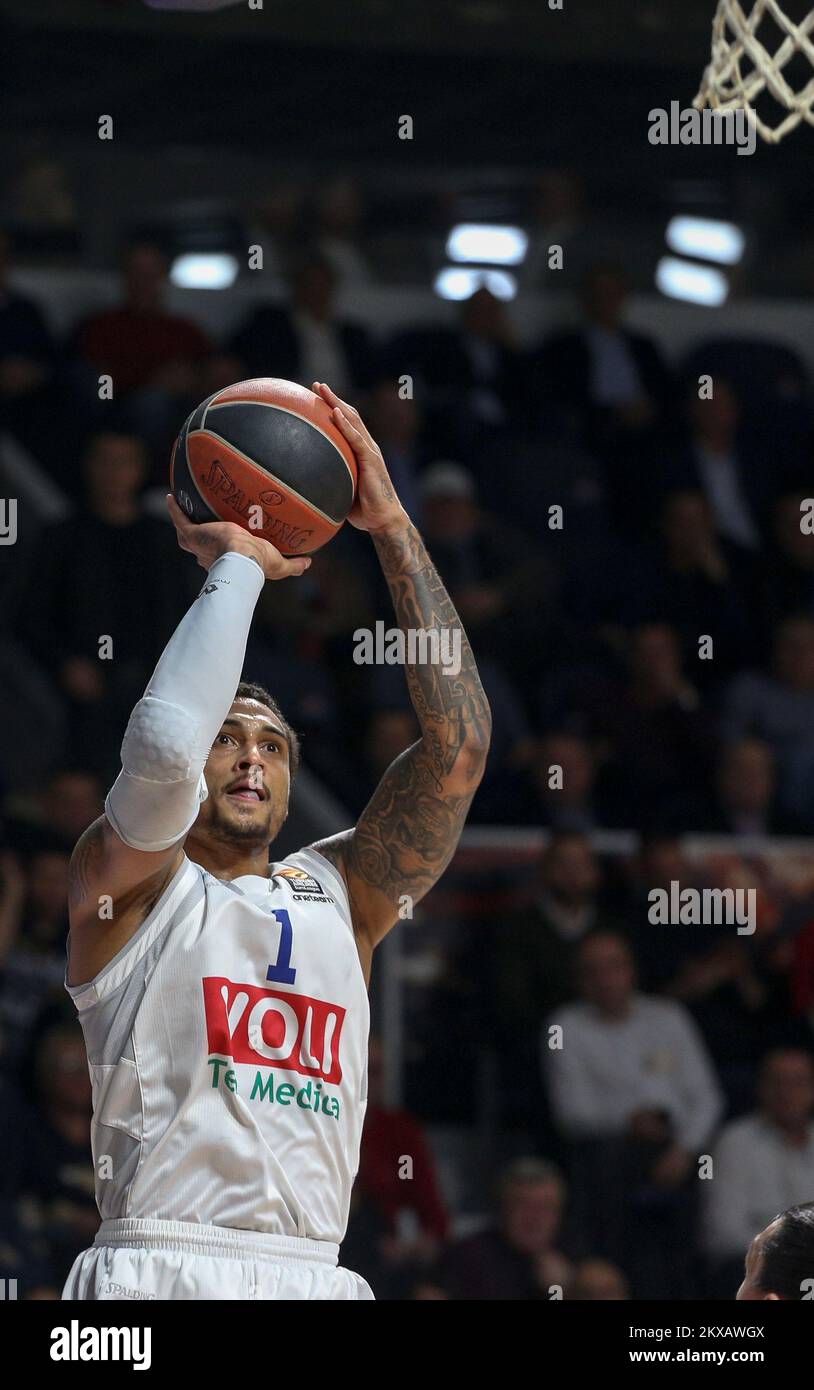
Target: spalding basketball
[{"x": 267, "y": 455}]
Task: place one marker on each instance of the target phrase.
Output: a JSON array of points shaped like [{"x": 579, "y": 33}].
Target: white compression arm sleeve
[{"x": 155, "y": 799}]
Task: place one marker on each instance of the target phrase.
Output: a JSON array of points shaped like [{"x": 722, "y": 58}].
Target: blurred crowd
[{"x": 628, "y": 540}]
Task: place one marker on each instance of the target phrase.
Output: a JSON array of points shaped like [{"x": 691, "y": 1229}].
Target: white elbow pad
[
  {"x": 159, "y": 742},
  {"x": 161, "y": 785},
  {"x": 156, "y": 797}
]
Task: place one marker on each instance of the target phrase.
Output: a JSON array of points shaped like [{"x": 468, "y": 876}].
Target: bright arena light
[
  {"x": 482, "y": 242},
  {"x": 705, "y": 237},
  {"x": 213, "y": 271},
  {"x": 696, "y": 284},
  {"x": 454, "y": 282}
]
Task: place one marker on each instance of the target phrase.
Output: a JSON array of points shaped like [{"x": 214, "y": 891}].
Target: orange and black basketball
[{"x": 266, "y": 454}]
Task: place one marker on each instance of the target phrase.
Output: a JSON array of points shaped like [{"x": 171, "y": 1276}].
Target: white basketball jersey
[{"x": 227, "y": 1046}]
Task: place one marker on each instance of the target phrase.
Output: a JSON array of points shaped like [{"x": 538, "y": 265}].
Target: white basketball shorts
[{"x": 179, "y": 1260}]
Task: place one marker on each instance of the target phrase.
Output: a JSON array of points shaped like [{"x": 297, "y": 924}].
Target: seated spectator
[
  {"x": 745, "y": 795},
  {"x": 778, "y": 1262},
  {"x": 59, "y": 1178},
  {"x": 516, "y": 1257},
  {"x": 25, "y": 1256},
  {"x": 320, "y": 616},
  {"x": 660, "y": 739},
  {"x": 364, "y": 1245},
  {"x": 563, "y": 784},
  {"x": 306, "y": 688},
  {"x": 537, "y": 951},
  {"x": 535, "y": 955},
  {"x": 607, "y": 1075},
  {"x": 13, "y": 1151},
  {"x": 33, "y": 933},
  {"x": 409, "y": 1199},
  {"x": 390, "y": 730},
  {"x": 557, "y": 216},
  {"x": 306, "y": 341},
  {"x": 786, "y": 583},
  {"x": 720, "y": 462},
  {"x": 71, "y": 800},
  {"x": 472, "y": 372},
  {"x": 60, "y": 806},
  {"x": 798, "y": 1030},
  {"x": 299, "y": 643},
  {"x": 340, "y": 213},
  {"x": 737, "y": 988},
  {"x": 154, "y": 357},
  {"x": 277, "y": 221},
  {"x": 604, "y": 367},
  {"x": 771, "y": 383},
  {"x": 633, "y": 1091},
  {"x": 663, "y": 954},
  {"x": 43, "y": 204},
  {"x": 110, "y": 571},
  {"x": 26, "y": 365},
  {"x": 502, "y": 586},
  {"x": 762, "y": 1163},
  {"x": 778, "y": 707},
  {"x": 693, "y": 581},
  {"x": 501, "y": 794},
  {"x": 396, "y": 423},
  {"x": 597, "y": 1281},
  {"x": 617, "y": 382}
]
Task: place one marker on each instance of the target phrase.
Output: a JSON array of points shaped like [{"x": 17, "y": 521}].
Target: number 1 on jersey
[{"x": 281, "y": 972}]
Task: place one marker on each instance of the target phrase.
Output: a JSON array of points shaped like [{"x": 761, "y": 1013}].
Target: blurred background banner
[{"x": 588, "y": 360}]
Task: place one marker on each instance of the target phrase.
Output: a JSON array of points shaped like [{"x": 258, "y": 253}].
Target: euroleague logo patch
[{"x": 301, "y": 883}]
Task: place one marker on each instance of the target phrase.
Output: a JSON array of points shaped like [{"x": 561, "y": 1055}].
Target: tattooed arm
[{"x": 410, "y": 828}]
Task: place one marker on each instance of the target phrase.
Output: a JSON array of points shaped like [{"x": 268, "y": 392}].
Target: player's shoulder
[
  {"x": 312, "y": 865},
  {"x": 333, "y": 850}
]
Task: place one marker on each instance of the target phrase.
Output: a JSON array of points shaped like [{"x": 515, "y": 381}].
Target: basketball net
[{"x": 742, "y": 68}]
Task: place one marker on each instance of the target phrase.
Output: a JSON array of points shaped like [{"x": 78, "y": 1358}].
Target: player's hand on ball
[
  {"x": 376, "y": 504},
  {"x": 208, "y": 540}
]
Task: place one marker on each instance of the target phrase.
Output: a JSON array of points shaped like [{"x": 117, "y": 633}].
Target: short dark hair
[
  {"x": 787, "y": 1257},
  {"x": 250, "y": 690}
]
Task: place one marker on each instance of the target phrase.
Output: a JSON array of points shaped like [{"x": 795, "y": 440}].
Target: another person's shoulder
[
  {"x": 740, "y": 1135},
  {"x": 663, "y": 1013}
]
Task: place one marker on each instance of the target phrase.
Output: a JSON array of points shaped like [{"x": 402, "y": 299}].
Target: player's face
[{"x": 248, "y": 777}]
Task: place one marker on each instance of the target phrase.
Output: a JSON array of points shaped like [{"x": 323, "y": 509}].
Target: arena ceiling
[
  {"x": 499, "y": 90},
  {"x": 649, "y": 31},
  {"x": 506, "y": 81}
]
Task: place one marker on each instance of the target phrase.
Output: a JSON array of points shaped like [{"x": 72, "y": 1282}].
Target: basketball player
[{"x": 223, "y": 998}]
